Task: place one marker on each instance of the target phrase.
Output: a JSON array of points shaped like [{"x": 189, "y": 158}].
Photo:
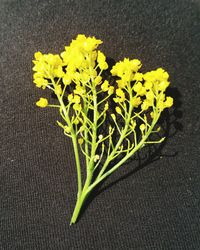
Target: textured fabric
[{"x": 151, "y": 204}]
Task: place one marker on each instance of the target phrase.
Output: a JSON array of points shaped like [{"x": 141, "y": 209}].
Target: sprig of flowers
[{"x": 85, "y": 102}]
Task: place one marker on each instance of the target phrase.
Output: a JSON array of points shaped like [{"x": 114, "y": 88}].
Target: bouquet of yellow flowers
[{"x": 108, "y": 113}]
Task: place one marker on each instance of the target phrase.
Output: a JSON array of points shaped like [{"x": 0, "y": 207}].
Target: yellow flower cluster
[
  {"x": 46, "y": 66},
  {"x": 76, "y": 99},
  {"x": 155, "y": 84},
  {"x": 101, "y": 59},
  {"x": 125, "y": 70},
  {"x": 106, "y": 87},
  {"x": 146, "y": 89},
  {"x": 81, "y": 55},
  {"x": 120, "y": 95},
  {"x": 79, "y": 64}
]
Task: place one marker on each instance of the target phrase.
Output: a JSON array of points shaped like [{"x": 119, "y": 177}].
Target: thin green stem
[
  {"x": 74, "y": 141},
  {"x": 139, "y": 145},
  {"x": 122, "y": 135},
  {"x": 78, "y": 167},
  {"x": 94, "y": 129}
]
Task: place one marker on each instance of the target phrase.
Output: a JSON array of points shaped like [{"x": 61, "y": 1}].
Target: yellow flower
[
  {"x": 138, "y": 77},
  {"x": 38, "y": 55},
  {"x": 125, "y": 66},
  {"x": 88, "y": 44},
  {"x": 127, "y": 76},
  {"x": 76, "y": 99},
  {"x": 169, "y": 102},
  {"x": 139, "y": 89},
  {"x": 105, "y": 86},
  {"x": 148, "y": 85},
  {"x": 77, "y": 76},
  {"x": 101, "y": 59},
  {"x": 77, "y": 106},
  {"x": 142, "y": 127},
  {"x": 135, "y": 101},
  {"x": 163, "y": 85},
  {"x": 42, "y": 103},
  {"x": 93, "y": 73},
  {"x": 85, "y": 77},
  {"x": 135, "y": 64},
  {"x": 80, "y": 141},
  {"x": 53, "y": 60},
  {"x": 38, "y": 75},
  {"x": 73, "y": 57},
  {"x": 79, "y": 90},
  {"x": 121, "y": 83},
  {"x": 156, "y": 78},
  {"x": 116, "y": 100},
  {"x": 91, "y": 44},
  {"x": 145, "y": 105},
  {"x": 40, "y": 82},
  {"x": 120, "y": 93},
  {"x": 47, "y": 66},
  {"x": 160, "y": 101},
  {"x": 58, "y": 90},
  {"x": 152, "y": 114},
  {"x": 40, "y": 68},
  {"x": 93, "y": 56},
  {"x": 110, "y": 90},
  {"x": 67, "y": 78},
  {"x": 70, "y": 97},
  {"x": 150, "y": 96},
  {"x": 118, "y": 69},
  {"x": 161, "y": 105},
  {"x": 118, "y": 110},
  {"x": 58, "y": 72},
  {"x": 97, "y": 80}
]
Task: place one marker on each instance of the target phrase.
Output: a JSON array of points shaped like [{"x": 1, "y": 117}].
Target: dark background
[{"x": 154, "y": 204}]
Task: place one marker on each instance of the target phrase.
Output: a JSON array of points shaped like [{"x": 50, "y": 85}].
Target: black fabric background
[{"x": 151, "y": 205}]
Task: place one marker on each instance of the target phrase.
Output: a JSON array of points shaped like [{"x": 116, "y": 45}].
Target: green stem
[
  {"x": 110, "y": 157},
  {"x": 86, "y": 135},
  {"x": 84, "y": 193},
  {"x": 88, "y": 188},
  {"x": 139, "y": 145},
  {"x": 81, "y": 199},
  {"x": 74, "y": 141},
  {"x": 94, "y": 128},
  {"x": 77, "y": 209},
  {"x": 78, "y": 166}
]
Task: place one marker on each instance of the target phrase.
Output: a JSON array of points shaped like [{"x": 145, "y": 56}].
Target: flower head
[
  {"x": 101, "y": 59},
  {"x": 125, "y": 68},
  {"x": 118, "y": 110},
  {"x": 42, "y": 103},
  {"x": 169, "y": 102},
  {"x": 120, "y": 93}
]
